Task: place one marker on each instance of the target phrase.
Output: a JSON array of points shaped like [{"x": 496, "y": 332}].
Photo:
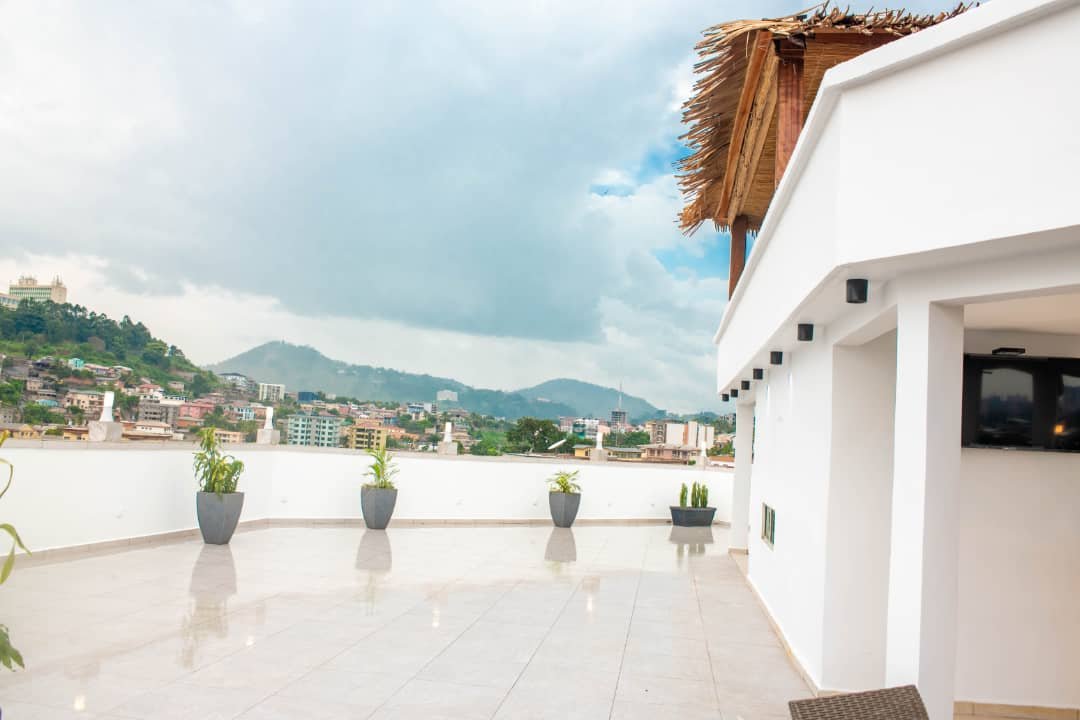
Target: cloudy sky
[{"x": 481, "y": 190}]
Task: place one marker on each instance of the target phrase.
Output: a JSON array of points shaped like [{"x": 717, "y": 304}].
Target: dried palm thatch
[{"x": 737, "y": 69}]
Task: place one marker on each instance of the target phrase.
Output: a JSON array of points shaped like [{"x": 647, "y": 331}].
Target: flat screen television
[{"x": 1016, "y": 401}]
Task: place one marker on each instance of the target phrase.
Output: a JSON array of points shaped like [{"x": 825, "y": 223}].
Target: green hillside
[
  {"x": 591, "y": 400},
  {"x": 35, "y": 329},
  {"x": 304, "y": 368}
]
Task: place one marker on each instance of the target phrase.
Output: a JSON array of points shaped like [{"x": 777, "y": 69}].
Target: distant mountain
[
  {"x": 590, "y": 400},
  {"x": 304, "y": 368}
]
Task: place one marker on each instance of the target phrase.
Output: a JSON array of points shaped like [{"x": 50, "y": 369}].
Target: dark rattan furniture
[{"x": 899, "y": 703}]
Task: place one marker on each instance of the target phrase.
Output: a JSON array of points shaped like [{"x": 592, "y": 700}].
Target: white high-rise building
[{"x": 271, "y": 392}]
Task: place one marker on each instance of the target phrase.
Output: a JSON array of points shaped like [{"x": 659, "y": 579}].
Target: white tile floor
[{"x": 334, "y": 622}]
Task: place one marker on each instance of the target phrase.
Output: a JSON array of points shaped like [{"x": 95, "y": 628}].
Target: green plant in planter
[
  {"x": 564, "y": 482},
  {"x": 703, "y": 496},
  {"x": 217, "y": 472},
  {"x": 682, "y": 495},
  {"x": 9, "y": 656},
  {"x": 382, "y": 470}
]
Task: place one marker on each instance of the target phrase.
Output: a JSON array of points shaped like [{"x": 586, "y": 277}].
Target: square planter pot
[
  {"x": 218, "y": 515},
  {"x": 692, "y": 517},
  {"x": 377, "y": 504},
  {"x": 564, "y": 507}
]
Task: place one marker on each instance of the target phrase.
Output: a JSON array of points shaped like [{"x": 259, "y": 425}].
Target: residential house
[{"x": 21, "y": 431}]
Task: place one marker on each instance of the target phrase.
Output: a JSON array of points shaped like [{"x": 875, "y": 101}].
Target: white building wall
[
  {"x": 892, "y": 180},
  {"x": 943, "y": 116},
  {"x": 1019, "y": 624},
  {"x": 66, "y": 496},
  {"x": 859, "y": 508},
  {"x": 790, "y": 474},
  {"x": 1018, "y": 636}
]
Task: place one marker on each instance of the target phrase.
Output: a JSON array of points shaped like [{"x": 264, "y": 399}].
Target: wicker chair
[{"x": 899, "y": 703}]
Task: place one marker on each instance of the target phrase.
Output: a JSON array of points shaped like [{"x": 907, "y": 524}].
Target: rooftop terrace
[{"x": 602, "y": 621}]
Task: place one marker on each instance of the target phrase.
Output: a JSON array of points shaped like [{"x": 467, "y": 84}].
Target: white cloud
[{"x": 332, "y": 173}]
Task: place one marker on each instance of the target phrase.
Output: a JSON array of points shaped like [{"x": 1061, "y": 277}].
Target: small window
[
  {"x": 1066, "y": 430},
  {"x": 768, "y": 524},
  {"x": 1006, "y": 407}
]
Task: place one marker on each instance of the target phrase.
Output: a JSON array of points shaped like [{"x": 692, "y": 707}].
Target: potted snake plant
[
  {"x": 217, "y": 503},
  {"x": 379, "y": 495},
  {"x": 564, "y": 498},
  {"x": 698, "y": 513}
]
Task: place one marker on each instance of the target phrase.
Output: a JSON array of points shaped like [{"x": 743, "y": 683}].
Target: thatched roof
[{"x": 732, "y": 135}]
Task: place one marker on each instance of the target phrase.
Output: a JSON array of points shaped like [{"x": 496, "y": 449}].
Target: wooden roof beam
[
  {"x": 760, "y": 50},
  {"x": 757, "y": 132},
  {"x": 789, "y": 101}
]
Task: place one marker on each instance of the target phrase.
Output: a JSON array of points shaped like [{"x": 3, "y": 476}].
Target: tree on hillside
[
  {"x": 35, "y": 414},
  {"x": 533, "y": 435},
  {"x": 634, "y": 438}
]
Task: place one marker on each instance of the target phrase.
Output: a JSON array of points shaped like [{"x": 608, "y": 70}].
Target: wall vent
[{"x": 768, "y": 525}]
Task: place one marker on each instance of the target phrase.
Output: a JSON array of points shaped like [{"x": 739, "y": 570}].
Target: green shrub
[
  {"x": 382, "y": 470},
  {"x": 9, "y": 656},
  {"x": 704, "y": 495},
  {"x": 217, "y": 472},
  {"x": 564, "y": 482},
  {"x": 682, "y": 496}
]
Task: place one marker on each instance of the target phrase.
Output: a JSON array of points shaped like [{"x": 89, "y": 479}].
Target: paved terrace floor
[{"x": 416, "y": 622}]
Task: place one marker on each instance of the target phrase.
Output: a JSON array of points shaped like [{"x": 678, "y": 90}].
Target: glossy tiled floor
[{"x": 335, "y": 622}]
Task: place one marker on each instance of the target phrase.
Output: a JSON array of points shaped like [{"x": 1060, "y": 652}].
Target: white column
[
  {"x": 921, "y": 631},
  {"x": 740, "y": 489}
]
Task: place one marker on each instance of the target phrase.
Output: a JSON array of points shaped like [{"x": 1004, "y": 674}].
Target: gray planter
[
  {"x": 692, "y": 517},
  {"x": 378, "y": 506},
  {"x": 564, "y": 507},
  {"x": 218, "y": 515}
]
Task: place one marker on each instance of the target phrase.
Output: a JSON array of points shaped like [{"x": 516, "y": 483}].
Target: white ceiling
[{"x": 1059, "y": 314}]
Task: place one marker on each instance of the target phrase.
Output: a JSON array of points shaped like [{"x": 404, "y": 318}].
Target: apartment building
[
  {"x": 361, "y": 437},
  {"x": 159, "y": 411},
  {"x": 271, "y": 392},
  {"x": 313, "y": 430}
]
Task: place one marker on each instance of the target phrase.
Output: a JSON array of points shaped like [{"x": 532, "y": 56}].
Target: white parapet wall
[{"x": 67, "y": 495}]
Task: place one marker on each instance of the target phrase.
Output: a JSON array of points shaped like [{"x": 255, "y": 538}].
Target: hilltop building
[
  {"x": 446, "y": 396},
  {"x": 27, "y": 287},
  {"x": 237, "y": 380}
]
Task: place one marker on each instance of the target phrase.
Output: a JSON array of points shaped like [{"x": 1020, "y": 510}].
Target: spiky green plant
[
  {"x": 564, "y": 482},
  {"x": 217, "y": 472},
  {"x": 682, "y": 495},
  {"x": 9, "y": 656},
  {"x": 704, "y": 495},
  {"x": 382, "y": 469}
]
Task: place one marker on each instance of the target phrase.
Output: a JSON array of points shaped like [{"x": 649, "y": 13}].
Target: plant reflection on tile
[
  {"x": 561, "y": 547},
  {"x": 375, "y": 556},
  {"x": 213, "y": 582},
  {"x": 689, "y": 540}
]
